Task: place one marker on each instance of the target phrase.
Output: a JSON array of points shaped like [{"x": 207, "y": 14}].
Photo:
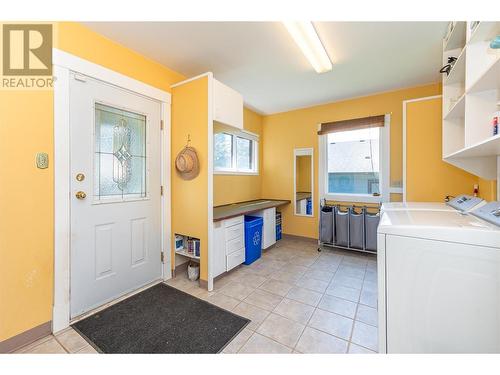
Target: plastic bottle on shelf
[{"x": 496, "y": 119}]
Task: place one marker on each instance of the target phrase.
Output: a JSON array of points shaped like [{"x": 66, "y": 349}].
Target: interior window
[
  {"x": 223, "y": 150},
  {"x": 244, "y": 153},
  {"x": 235, "y": 152},
  {"x": 353, "y": 162}
]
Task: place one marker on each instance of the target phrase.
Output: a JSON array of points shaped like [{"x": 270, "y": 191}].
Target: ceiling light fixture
[{"x": 306, "y": 37}]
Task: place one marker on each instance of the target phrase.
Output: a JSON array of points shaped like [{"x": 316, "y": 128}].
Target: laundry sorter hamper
[
  {"x": 349, "y": 227},
  {"x": 326, "y": 225}
]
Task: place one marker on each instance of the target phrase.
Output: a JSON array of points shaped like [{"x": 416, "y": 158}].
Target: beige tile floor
[{"x": 298, "y": 301}]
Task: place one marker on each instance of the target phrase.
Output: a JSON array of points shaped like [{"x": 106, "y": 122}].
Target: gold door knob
[{"x": 80, "y": 195}]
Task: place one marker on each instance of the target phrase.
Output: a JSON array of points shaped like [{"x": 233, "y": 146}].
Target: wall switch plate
[{"x": 42, "y": 160}]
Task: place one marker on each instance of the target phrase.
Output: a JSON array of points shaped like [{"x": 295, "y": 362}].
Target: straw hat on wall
[{"x": 187, "y": 163}]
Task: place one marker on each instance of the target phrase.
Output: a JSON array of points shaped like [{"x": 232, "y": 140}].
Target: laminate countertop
[{"x": 244, "y": 208}]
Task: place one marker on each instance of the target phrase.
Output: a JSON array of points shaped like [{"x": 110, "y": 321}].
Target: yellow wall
[
  {"x": 303, "y": 173},
  {"x": 230, "y": 189},
  {"x": 283, "y": 132},
  {"x": 428, "y": 177},
  {"x": 26, "y": 211},
  {"x": 26, "y": 220},
  {"x": 190, "y": 197}
]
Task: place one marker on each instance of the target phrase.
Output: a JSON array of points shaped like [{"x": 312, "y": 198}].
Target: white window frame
[
  {"x": 384, "y": 174},
  {"x": 255, "y": 154}
]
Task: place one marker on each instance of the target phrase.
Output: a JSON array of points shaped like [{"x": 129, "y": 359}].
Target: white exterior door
[{"x": 115, "y": 192}]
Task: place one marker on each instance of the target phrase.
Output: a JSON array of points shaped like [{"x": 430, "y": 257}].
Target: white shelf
[
  {"x": 457, "y": 37},
  {"x": 489, "y": 80},
  {"x": 475, "y": 81},
  {"x": 185, "y": 253},
  {"x": 457, "y": 73},
  {"x": 486, "y": 30},
  {"x": 488, "y": 147},
  {"x": 458, "y": 109}
]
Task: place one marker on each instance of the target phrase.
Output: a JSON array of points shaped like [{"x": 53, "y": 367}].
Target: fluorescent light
[{"x": 308, "y": 41}]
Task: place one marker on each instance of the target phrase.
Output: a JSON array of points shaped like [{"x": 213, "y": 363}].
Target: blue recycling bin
[
  {"x": 253, "y": 238},
  {"x": 309, "y": 206}
]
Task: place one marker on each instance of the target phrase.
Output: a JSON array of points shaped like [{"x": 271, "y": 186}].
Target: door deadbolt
[
  {"x": 80, "y": 177},
  {"x": 80, "y": 195}
]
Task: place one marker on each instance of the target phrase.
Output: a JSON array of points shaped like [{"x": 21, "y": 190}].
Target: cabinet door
[
  {"x": 228, "y": 105},
  {"x": 219, "y": 249},
  {"x": 269, "y": 232}
]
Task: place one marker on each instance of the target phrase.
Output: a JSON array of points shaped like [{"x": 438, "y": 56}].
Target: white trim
[
  {"x": 64, "y": 63},
  {"x": 207, "y": 74},
  {"x": 61, "y": 312},
  {"x": 498, "y": 178},
  {"x": 322, "y": 155},
  {"x": 234, "y": 173},
  {"x": 395, "y": 190},
  {"x": 210, "y": 171},
  {"x": 309, "y": 151},
  {"x": 167, "y": 190},
  {"x": 79, "y": 65},
  {"x": 358, "y": 198},
  {"x": 385, "y": 159},
  {"x": 405, "y": 102}
]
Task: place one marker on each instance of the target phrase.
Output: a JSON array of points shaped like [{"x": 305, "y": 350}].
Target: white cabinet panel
[
  {"x": 269, "y": 227},
  {"x": 228, "y": 105},
  {"x": 236, "y": 231},
  {"x": 234, "y": 220},
  {"x": 235, "y": 259},
  {"x": 219, "y": 249},
  {"x": 234, "y": 245},
  {"x": 229, "y": 245}
]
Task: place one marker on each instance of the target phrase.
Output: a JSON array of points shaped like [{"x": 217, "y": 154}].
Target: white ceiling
[{"x": 261, "y": 61}]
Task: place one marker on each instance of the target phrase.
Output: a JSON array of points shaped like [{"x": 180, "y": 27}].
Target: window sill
[
  {"x": 236, "y": 173},
  {"x": 358, "y": 198}
]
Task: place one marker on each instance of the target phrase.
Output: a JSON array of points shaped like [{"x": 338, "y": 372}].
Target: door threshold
[{"x": 113, "y": 302}]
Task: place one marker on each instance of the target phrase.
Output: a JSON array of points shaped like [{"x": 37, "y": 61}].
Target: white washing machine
[
  {"x": 439, "y": 281},
  {"x": 462, "y": 203}
]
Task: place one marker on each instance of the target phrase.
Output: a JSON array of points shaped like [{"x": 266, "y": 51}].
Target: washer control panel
[
  {"x": 464, "y": 202},
  {"x": 489, "y": 212}
]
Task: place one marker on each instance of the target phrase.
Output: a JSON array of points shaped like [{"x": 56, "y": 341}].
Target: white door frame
[
  {"x": 405, "y": 102},
  {"x": 65, "y": 63}
]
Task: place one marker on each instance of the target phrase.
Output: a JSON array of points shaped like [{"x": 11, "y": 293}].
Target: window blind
[{"x": 352, "y": 124}]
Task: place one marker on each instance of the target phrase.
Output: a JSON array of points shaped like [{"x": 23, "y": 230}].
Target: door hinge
[
  {"x": 161, "y": 190},
  {"x": 161, "y": 124},
  {"x": 162, "y": 257}
]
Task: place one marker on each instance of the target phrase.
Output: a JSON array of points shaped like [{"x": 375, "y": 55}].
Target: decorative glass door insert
[{"x": 120, "y": 154}]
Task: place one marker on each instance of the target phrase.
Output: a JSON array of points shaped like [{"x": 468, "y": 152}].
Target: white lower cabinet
[
  {"x": 269, "y": 226},
  {"x": 229, "y": 244}
]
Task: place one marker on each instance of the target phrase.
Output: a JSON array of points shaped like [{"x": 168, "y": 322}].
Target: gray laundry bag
[
  {"x": 356, "y": 229},
  {"x": 341, "y": 227},
  {"x": 326, "y": 225},
  {"x": 371, "y": 225}
]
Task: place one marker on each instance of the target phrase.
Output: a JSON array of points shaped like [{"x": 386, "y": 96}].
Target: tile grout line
[{"x": 60, "y": 343}]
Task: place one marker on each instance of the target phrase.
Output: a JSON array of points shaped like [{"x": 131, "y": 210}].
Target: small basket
[{"x": 193, "y": 271}]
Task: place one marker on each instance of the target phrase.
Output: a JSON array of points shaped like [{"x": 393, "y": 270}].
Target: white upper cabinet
[{"x": 228, "y": 105}]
